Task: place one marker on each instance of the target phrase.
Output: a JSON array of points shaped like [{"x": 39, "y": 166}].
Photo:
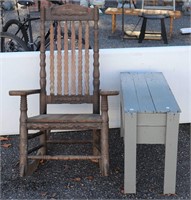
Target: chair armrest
[
  {"x": 104, "y": 104},
  {"x": 23, "y": 92},
  {"x": 109, "y": 93}
]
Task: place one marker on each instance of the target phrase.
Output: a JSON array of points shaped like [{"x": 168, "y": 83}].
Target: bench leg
[
  {"x": 171, "y": 27},
  {"x": 163, "y": 31},
  {"x": 143, "y": 29},
  {"x": 171, "y": 153},
  {"x": 122, "y": 121},
  {"x": 113, "y": 23},
  {"x": 130, "y": 143}
]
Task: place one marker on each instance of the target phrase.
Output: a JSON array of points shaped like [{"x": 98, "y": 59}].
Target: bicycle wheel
[
  {"x": 15, "y": 27},
  {"x": 11, "y": 43}
]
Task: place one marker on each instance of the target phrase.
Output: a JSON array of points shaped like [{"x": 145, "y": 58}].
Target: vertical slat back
[
  {"x": 66, "y": 63},
  {"x": 70, "y": 74},
  {"x": 80, "y": 59},
  {"x": 87, "y": 58},
  {"x": 69, "y": 58},
  {"x": 73, "y": 59},
  {"x": 59, "y": 60},
  {"x": 51, "y": 58}
]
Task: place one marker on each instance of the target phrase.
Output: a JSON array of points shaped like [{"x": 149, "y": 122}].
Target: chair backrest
[
  {"x": 159, "y": 4},
  {"x": 70, "y": 77}
]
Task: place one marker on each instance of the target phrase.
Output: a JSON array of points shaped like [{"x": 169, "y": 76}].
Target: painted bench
[
  {"x": 127, "y": 11},
  {"x": 149, "y": 115}
]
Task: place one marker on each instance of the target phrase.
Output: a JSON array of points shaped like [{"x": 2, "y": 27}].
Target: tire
[
  {"x": 11, "y": 43},
  {"x": 15, "y": 27}
]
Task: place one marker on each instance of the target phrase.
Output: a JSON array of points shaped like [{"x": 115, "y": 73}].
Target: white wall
[{"x": 20, "y": 71}]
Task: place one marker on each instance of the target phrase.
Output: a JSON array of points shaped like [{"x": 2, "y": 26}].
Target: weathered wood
[
  {"x": 69, "y": 141},
  {"x": 59, "y": 58},
  {"x": 62, "y": 157},
  {"x": 65, "y": 118},
  {"x": 70, "y": 12},
  {"x": 72, "y": 99},
  {"x": 66, "y": 64},
  {"x": 65, "y": 126},
  {"x": 80, "y": 59},
  {"x": 23, "y": 146},
  {"x": 43, "y": 104},
  {"x": 23, "y": 92},
  {"x": 73, "y": 60},
  {"x": 136, "y": 12},
  {"x": 109, "y": 93},
  {"x": 69, "y": 83},
  {"x": 52, "y": 59}
]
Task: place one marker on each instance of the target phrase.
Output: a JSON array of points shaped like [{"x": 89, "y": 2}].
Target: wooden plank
[
  {"x": 148, "y": 35},
  {"x": 129, "y": 96},
  {"x": 137, "y": 12},
  {"x": 161, "y": 94},
  {"x": 143, "y": 95},
  {"x": 159, "y": 7}
]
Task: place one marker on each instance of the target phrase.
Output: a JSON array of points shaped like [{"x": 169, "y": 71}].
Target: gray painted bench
[{"x": 149, "y": 115}]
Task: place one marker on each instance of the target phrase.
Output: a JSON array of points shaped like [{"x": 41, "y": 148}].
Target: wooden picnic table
[{"x": 136, "y": 12}]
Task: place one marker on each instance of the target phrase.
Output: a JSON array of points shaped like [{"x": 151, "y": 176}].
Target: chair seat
[{"x": 65, "y": 118}]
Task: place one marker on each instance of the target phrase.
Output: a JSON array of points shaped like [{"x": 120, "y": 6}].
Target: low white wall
[{"x": 20, "y": 71}]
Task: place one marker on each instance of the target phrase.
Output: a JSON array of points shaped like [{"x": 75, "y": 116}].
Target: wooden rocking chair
[{"x": 67, "y": 79}]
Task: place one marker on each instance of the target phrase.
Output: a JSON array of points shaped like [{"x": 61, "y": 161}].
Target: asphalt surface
[{"x": 82, "y": 179}]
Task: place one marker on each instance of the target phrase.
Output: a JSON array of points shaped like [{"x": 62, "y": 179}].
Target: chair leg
[
  {"x": 96, "y": 142},
  {"x": 143, "y": 29},
  {"x": 43, "y": 139},
  {"x": 23, "y": 151},
  {"x": 23, "y": 146},
  {"x": 104, "y": 151},
  {"x": 104, "y": 137}
]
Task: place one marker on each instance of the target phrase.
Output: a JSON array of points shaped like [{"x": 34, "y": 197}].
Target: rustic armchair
[{"x": 66, "y": 79}]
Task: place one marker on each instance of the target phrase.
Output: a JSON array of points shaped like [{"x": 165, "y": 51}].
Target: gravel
[{"x": 82, "y": 179}]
